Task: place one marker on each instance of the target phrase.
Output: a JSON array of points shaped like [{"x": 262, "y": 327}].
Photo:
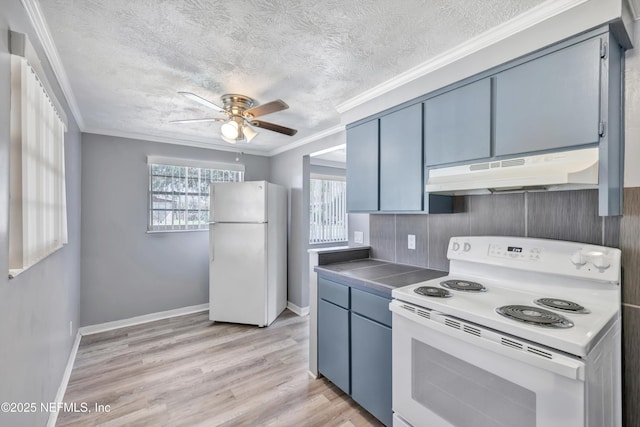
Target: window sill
[
  {"x": 175, "y": 231},
  {"x": 15, "y": 272},
  {"x": 332, "y": 243}
]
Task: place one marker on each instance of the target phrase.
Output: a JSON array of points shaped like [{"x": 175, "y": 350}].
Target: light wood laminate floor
[{"x": 188, "y": 371}]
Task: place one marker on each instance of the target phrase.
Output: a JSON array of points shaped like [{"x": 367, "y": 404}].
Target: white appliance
[
  {"x": 522, "y": 332},
  {"x": 248, "y": 252},
  {"x": 551, "y": 171}
]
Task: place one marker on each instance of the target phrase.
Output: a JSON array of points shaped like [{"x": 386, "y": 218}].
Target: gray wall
[
  {"x": 286, "y": 169},
  {"x": 37, "y": 306},
  {"x": 127, "y": 272}
]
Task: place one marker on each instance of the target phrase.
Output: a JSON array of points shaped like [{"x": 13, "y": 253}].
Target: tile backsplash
[{"x": 564, "y": 215}]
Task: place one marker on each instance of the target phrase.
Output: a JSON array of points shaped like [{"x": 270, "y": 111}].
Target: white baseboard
[
  {"x": 116, "y": 324},
  {"x": 300, "y": 311},
  {"x": 53, "y": 416}
]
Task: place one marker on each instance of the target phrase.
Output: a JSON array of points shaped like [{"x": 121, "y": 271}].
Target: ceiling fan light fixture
[
  {"x": 229, "y": 140},
  {"x": 241, "y": 112},
  {"x": 249, "y": 133},
  {"x": 230, "y": 130}
]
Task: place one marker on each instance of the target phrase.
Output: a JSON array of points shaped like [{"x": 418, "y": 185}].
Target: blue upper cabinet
[
  {"x": 550, "y": 102},
  {"x": 563, "y": 97},
  {"x": 362, "y": 167},
  {"x": 401, "y": 167},
  {"x": 457, "y": 124}
]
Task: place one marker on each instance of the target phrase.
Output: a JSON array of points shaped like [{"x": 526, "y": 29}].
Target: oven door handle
[{"x": 502, "y": 344}]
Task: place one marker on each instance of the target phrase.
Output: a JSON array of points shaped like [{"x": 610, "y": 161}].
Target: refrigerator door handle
[{"x": 211, "y": 245}]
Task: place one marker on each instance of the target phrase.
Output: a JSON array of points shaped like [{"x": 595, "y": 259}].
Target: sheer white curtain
[{"x": 38, "y": 216}]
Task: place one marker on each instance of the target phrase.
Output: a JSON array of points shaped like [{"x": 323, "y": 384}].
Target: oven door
[{"x": 449, "y": 373}]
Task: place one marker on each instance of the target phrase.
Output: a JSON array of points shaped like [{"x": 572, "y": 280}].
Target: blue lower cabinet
[
  {"x": 333, "y": 344},
  {"x": 354, "y": 345},
  {"x": 371, "y": 367}
]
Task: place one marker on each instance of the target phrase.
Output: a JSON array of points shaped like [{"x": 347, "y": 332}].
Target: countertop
[{"x": 380, "y": 277}]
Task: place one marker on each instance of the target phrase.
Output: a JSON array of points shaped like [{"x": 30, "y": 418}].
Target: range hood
[{"x": 552, "y": 171}]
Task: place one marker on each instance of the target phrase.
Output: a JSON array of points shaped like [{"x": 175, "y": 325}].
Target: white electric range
[{"x": 521, "y": 332}]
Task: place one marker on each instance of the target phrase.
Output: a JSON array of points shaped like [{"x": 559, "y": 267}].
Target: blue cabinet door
[
  {"x": 457, "y": 124},
  {"x": 333, "y": 344},
  {"x": 550, "y": 102},
  {"x": 362, "y": 167},
  {"x": 401, "y": 167},
  {"x": 371, "y": 367}
]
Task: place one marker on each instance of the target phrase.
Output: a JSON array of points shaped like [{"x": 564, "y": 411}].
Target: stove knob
[
  {"x": 455, "y": 246},
  {"x": 601, "y": 263},
  {"x": 578, "y": 259}
]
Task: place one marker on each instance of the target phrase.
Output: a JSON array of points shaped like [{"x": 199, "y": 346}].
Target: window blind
[
  {"x": 38, "y": 212},
  {"x": 327, "y": 210}
]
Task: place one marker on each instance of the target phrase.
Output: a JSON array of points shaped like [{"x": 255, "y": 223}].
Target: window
[
  {"x": 179, "y": 192},
  {"x": 327, "y": 210},
  {"x": 37, "y": 211}
]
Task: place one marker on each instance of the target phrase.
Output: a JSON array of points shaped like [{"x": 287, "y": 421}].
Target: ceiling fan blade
[
  {"x": 264, "y": 109},
  {"x": 198, "y": 120},
  {"x": 273, "y": 127},
  {"x": 194, "y": 97}
]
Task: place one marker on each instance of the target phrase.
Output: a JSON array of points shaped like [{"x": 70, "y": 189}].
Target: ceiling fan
[{"x": 240, "y": 114}]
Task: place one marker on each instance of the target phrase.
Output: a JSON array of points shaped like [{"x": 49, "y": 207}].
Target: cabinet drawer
[
  {"x": 371, "y": 306},
  {"x": 333, "y": 292}
]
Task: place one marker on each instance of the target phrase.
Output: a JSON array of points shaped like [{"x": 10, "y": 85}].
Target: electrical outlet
[
  {"x": 70, "y": 328},
  {"x": 411, "y": 241},
  {"x": 358, "y": 237}
]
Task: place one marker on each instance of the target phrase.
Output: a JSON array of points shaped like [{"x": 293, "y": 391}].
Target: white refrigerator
[{"x": 247, "y": 252}]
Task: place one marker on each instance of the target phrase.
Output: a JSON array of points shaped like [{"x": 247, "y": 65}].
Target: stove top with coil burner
[
  {"x": 433, "y": 291},
  {"x": 534, "y": 316},
  {"x": 534, "y": 273},
  {"x": 464, "y": 285},
  {"x": 561, "y": 304}
]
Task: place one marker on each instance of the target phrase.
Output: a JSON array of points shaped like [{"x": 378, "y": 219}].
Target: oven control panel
[
  {"x": 514, "y": 252},
  {"x": 539, "y": 255},
  {"x": 462, "y": 248}
]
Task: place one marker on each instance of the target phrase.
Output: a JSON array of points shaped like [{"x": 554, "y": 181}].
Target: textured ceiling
[{"x": 126, "y": 59}]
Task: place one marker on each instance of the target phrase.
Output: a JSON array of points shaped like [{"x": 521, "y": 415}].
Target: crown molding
[
  {"x": 328, "y": 163},
  {"x": 329, "y": 150},
  {"x": 44, "y": 36},
  {"x": 634, "y": 5},
  {"x": 307, "y": 140},
  {"x": 207, "y": 144},
  {"x": 534, "y": 16},
  {"x": 212, "y": 145}
]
